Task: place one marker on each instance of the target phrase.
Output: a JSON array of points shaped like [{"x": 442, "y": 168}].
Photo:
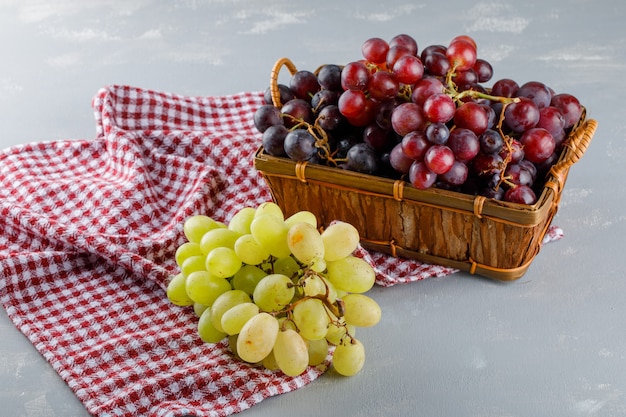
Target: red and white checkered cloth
[{"x": 88, "y": 230}]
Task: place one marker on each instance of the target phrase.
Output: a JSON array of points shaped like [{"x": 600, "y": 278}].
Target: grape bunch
[
  {"x": 426, "y": 117},
  {"x": 282, "y": 293}
]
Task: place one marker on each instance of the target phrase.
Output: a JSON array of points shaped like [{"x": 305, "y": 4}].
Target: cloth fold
[{"x": 88, "y": 230}]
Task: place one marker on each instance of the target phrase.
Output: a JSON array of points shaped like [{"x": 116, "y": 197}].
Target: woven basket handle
[
  {"x": 282, "y": 62},
  {"x": 578, "y": 144}
]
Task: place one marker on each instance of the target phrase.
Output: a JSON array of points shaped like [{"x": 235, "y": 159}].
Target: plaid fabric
[{"x": 88, "y": 230}]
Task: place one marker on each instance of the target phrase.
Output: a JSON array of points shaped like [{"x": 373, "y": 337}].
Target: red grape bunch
[{"x": 423, "y": 116}]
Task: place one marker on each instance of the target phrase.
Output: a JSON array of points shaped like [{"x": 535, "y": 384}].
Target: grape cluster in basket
[
  {"x": 282, "y": 293},
  {"x": 425, "y": 116}
]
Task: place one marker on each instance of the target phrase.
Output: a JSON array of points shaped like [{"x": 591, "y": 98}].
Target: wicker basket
[{"x": 483, "y": 236}]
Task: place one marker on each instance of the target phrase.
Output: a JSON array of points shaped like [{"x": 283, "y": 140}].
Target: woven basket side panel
[{"x": 413, "y": 226}]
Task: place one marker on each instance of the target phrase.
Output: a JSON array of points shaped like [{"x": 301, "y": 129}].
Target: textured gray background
[{"x": 549, "y": 344}]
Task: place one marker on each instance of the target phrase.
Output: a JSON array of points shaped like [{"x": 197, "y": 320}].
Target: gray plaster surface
[{"x": 552, "y": 343}]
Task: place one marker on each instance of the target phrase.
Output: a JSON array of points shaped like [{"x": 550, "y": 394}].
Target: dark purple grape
[
  {"x": 362, "y": 158},
  {"x": 437, "y": 133},
  {"x": 491, "y": 142},
  {"x": 376, "y": 137},
  {"x": 304, "y": 85},
  {"x": 274, "y": 140},
  {"x": 330, "y": 118},
  {"x": 329, "y": 77},
  {"x": 296, "y": 111},
  {"x": 300, "y": 145},
  {"x": 538, "y": 92},
  {"x": 265, "y": 116},
  {"x": 483, "y": 70},
  {"x": 284, "y": 92},
  {"x": 324, "y": 98}
]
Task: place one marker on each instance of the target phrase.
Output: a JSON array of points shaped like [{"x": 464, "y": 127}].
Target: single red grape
[{"x": 420, "y": 176}]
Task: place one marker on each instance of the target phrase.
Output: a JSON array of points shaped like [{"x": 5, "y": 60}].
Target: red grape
[
  {"x": 425, "y": 88},
  {"x": 408, "y": 69},
  {"x": 406, "y": 41},
  {"x": 399, "y": 161},
  {"x": 406, "y": 118},
  {"x": 439, "y": 159},
  {"x": 461, "y": 54},
  {"x": 536, "y": 91},
  {"x": 483, "y": 70},
  {"x": 456, "y": 175},
  {"x": 439, "y": 108},
  {"x": 420, "y": 176},
  {"x": 521, "y": 116},
  {"x": 471, "y": 116},
  {"x": 464, "y": 144},
  {"x": 521, "y": 194},
  {"x": 355, "y": 76},
  {"x": 569, "y": 106},
  {"x": 352, "y": 102},
  {"x": 375, "y": 50},
  {"x": 383, "y": 86},
  {"x": 505, "y": 87},
  {"x": 538, "y": 144},
  {"x": 414, "y": 145}
]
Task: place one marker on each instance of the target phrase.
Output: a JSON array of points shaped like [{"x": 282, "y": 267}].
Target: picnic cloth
[{"x": 88, "y": 230}]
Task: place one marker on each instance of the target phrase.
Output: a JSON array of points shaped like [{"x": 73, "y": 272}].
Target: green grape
[
  {"x": 249, "y": 251},
  {"x": 195, "y": 227},
  {"x": 193, "y": 264},
  {"x": 235, "y": 317},
  {"x": 185, "y": 251},
  {"x": 198, "y": 309},
  {"x": 270, "y": 208},
  {"x": 257, "y": 337},
  {"x": 337, "y": 330},
  {"x": 274, "y": 292},
  {"x": 318, "y": 351},
  {"x": 204, "y": 287},
  {"x": 302, "y": 216},
  {"x": 269, "y": 362},
  {"x": 286, "y": 323},
  {"x": 361, "y": 310},
  {"x": 223, "y": 262},
  {"x": 176, "y": 292},
  {"x": 270, "y": 233},
  {"x": 305, "y": 243},
  {"x": 349, "y": 357},
  {"x": 286, "y": 266},
  {"x": 208, "y": 333},
  {"x": 351, "y": 274},
  {"x": 291, "y": 352},
  {"x": 240, "y": 222},
  {"x": 313, "y": 285},
  {"x": 340, "y": 240},
  {"x": 232, "y": 345},
  {"x": 311, "y": 318},
  {"x": 332, "y": 291},
  {"x": 247, "y": 278},
  {"x": 217, "y": 238},
  {"x": 225, "y": 302}
]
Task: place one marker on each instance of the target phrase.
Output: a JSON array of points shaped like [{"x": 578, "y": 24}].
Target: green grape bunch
[{"x": 283, "y": 293}]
